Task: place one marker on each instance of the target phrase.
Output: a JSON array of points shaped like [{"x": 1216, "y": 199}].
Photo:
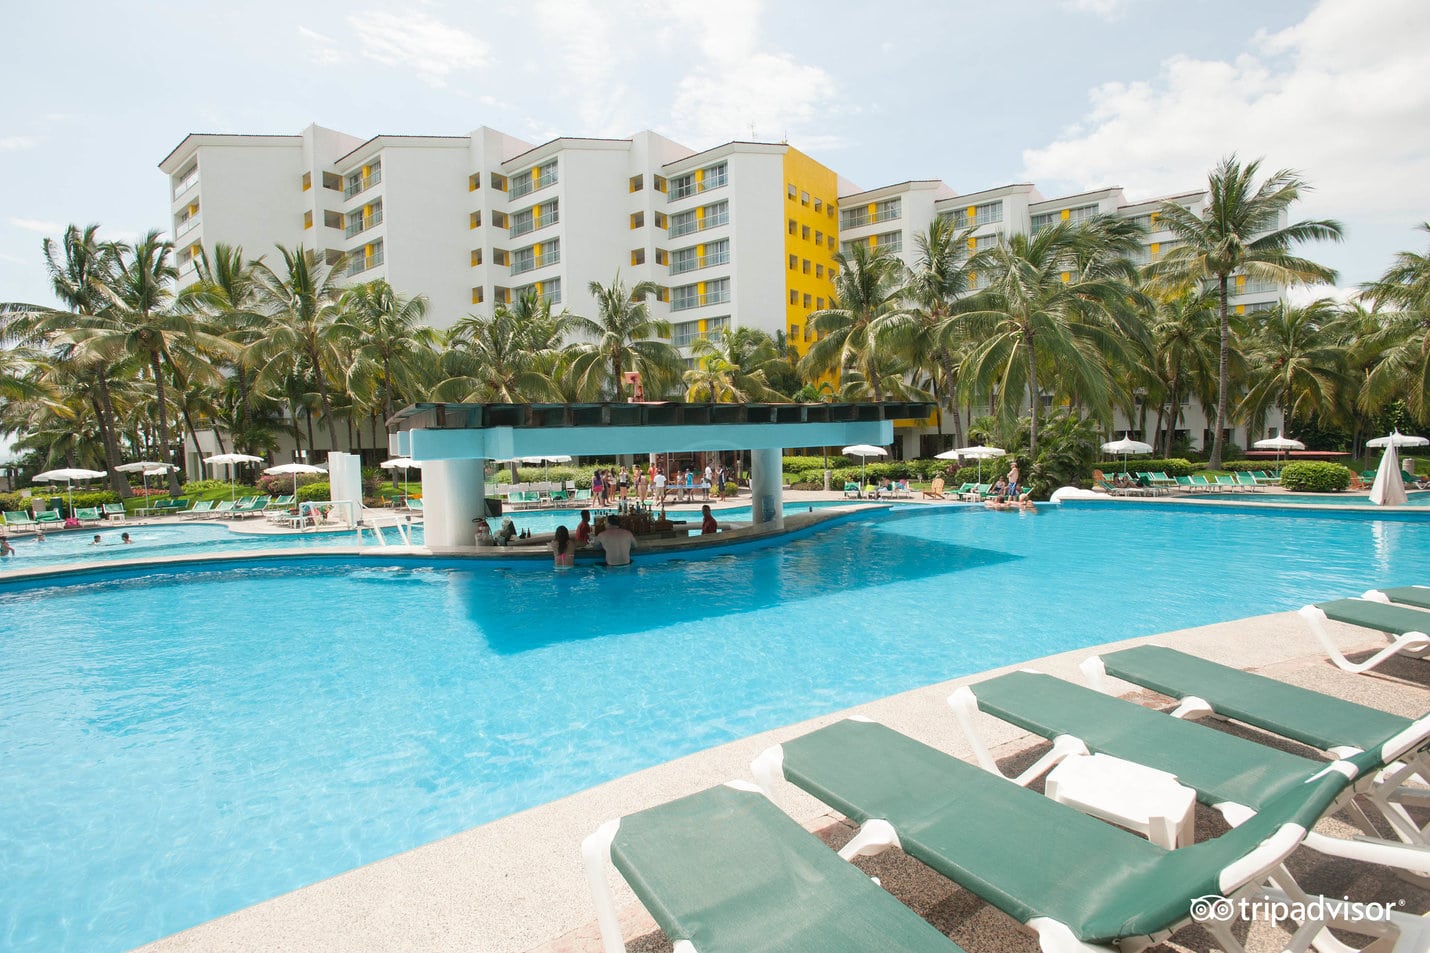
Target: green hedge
[
  {"x": 315, "y": 491},
  {"x": 1172, "y": 466},
  {"x": 1310, "y": 476},
  {"x": 14, "y": 502},
  {"x": 1263, "y": 465}
]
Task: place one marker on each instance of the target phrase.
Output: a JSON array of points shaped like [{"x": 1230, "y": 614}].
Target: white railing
[
  {"x": 363, "y": 224},
  {"x": 680, "y": 267},
  {"x": 363, "y": 263},
  {"x": 190, "y": 180},
  {"x": 699, "y": 301},
  {"x": 187, "y": 225},
  {"x": 700, "y": 225},
  {"x": 362, "y": 184},
  {"x": 520, "y": 266}
]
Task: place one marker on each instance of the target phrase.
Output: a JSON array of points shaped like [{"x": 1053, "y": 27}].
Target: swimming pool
[
  {"x": 1413, "y": 498},
  {"x": 189, "y": 742}
]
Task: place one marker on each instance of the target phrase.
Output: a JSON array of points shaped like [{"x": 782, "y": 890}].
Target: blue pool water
[
  {"x": 186, "y": 743},
  {"x": 1413, "y": 498}
]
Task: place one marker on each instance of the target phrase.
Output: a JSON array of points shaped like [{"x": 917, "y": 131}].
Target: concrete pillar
[
  {"x": 767, "y": 488},
  {"x": 345, "y": 483},
  {"x": 452, "y": 495}
]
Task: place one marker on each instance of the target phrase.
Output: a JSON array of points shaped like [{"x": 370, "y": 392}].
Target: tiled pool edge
[{"x": 517, "y": 883}]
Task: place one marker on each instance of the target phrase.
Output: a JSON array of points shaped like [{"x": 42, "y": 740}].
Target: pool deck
[{"x": 517, "y": 885}]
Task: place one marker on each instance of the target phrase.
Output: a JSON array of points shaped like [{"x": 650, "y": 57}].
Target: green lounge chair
[
  {"x": 851, "y": 491},
  {"x": 726, "y": 870},
  {"x": 114, "y": 512},
  {"x": 1236, "y": 776},
  {"x": 19, "y": 519},
  {"x": 285, "y": 502},
  {"x": 1417, "y": 596},
  {"x": 1074, "y": 880},
  {"x": 249, "y": 506},
  {"x": 88, "y": 514},
  {"x": 583, "y": 496},
  {"x": 1245, "y": 480},
  {"x": 1408, "y": 629},
  {"x": 49, "y": 516},
  {"x": 172, "y": 505},
  {"x": 1338, "y": 727},
  {"x": 414, "y": 504},
  {"x": 197, "y": 510},
  {"x": 1264, "y": 478},
  {"x": 1200, "y": 482},
  {"x": 1226, "y": 480}
]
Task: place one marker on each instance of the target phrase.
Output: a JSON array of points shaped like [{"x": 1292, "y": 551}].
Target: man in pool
[
  {"x": 583, "y": 528},
  {"x": 617, "y": 541},
  {"x": 5, "y": 548},
  {"x": 96, "y": 541}
]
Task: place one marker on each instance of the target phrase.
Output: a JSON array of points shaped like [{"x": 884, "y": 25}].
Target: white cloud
[
  {"x": 323, "y": 49},
  {"x": 16, "y": 143},
  {"x": 588, "y": 47},
  {"x": 1341, "y": 97},
  {"x": 745, "y": 90},
  {"x": 433, "y": 50},
  {"x": 37, "y": 225}
]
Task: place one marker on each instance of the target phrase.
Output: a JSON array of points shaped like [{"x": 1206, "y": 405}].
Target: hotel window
[
  {"x": 308, "y": 219},
  {"x": 332, "y": 219},
  {"x": 661, "y": 258},
  {"x": 684, "y": 333},
  {"x": 475, "y": 219},
  {"x": 476, "y": 257},
  {"x": 818, "y": 237},
  {"x": 804, "y": 232},
  {"x": 887, "y": 210},
  {"x": 793, "y": 262},
  {"x": 530, "y": 219},
  {"x": 819, "y": 271},
  {"x": 792, "y": 190},
  {"x": 818, "y": 204},
  {"x": 892, "y": 242},
  {"x": 637, "y": 256},
  {"x": 535, "y": 256},
  {"x": 708, "y": 216},
  {"x": 498, "y": 181},
  {"x": 532, "y": 179},
  {"x": 793, "y": 226},
  {"x": 363, "y": 179},
  {"x": 688, "y": 259},
  {"x": 710, "y": 177},
  {"x": 793, "y": 331},
  {"x": 660, "y": 183},
  {"x": 477, "y": 295},
  {"x": 829, "y": 240},
  {"x": 819, "y": 304},
  {"x": 985, "y": 214},
  {"x": 803, "y": 198},
  {"x": 1082, "y": 213},
  {"x": 474, "y": 181},
  {"x": 661, "y": 221},
  {"x": 332, "y": 181},
  {"x": 500, "y": 219},
  {"x": 1043, "y": 219},
  {"x": 548, "y": 290},
  {"x": 804, "y": 266},
  {"x": 361, "y": 219},
  {"x": 690, "y": 296},
  {"x": 500, "y": 257},
  {"x": 854, "y": 217},
  {"x": 637, "y": 183},
  {"x": 637, "y": 219},
  {"x": 307, "y": 181},
  {"x": 808, "y": 301},
  {"x": 793, "y": 296},
  {"x": 361, "y": 259}
]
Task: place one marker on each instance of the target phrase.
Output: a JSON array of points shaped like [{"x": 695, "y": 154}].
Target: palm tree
[
  {"x": 868, "y": 288},
  {"x": 735, "y": 365},
  {"x": 302, "y": 305},
  {"x": 386, "y": 332},
  {"x": 1058, "y": 297},
  {"x": 1241, "y": 231},
  {"x": 624, "y": 339},
  {"x": 1404, "y": 338},
  {"x": 491, "y": 359},
  {"x": 141, "y": 320},
  {"x": 80, "y": 266},
  {"x": 923, "y": 334},
  {"x": 1184, "y": 355},
  {"x": 1299, "y": 365}
]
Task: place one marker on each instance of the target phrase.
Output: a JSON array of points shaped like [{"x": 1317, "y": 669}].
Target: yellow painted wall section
[
  {"x": 1066, "y": 214},
  {"x": 819, "y": 182}
]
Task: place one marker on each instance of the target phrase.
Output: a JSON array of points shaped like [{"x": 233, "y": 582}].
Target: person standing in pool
[
  {"x": 39, "y": 536},
  {"x": 583, "y": 528},
  {"x": 124, "y": 538},
  {"x": 1013, "y": 478},
  {"x": 563, "y": 549},
  {"x": 707, "y": 522},
  {"x": 617, "y": 541},
  {"x": 96, "y": 541},
  {"x": 5, "y": 548}
]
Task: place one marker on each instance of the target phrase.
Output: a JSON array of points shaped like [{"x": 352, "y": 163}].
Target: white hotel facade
[{"x": 743, "y": 234}]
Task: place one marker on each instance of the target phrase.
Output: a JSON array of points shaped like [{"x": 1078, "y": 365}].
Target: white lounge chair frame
[{"x": 1413, "y": 644}]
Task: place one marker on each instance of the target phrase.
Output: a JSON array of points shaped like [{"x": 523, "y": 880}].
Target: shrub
[
  {"x": 1309, "y": 476},
  {"x": 1234, "y": 465},
  {"x": 205, "y": 487},
  {"x": 320, "y": 490}
]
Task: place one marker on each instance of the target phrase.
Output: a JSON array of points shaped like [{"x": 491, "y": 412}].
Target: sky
[{"x": 1068, "y": 94}]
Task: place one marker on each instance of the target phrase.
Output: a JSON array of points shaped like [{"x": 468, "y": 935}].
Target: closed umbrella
[
  {"x": 973, "y": 453},
  {"x": 228, "y": 460},
  {"x": 1126, "y": 446},
  {"x": 69, "y": 475},
  {"x": 1389, "y": 487},
  {"x": 863, "y": 450},
  {"x": 295, "y": 469}
]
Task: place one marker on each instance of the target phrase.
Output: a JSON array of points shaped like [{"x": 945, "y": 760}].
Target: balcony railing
[
  {"x": 187, "y": 225},
  {"x": 699, "y": 301},
  {"x": 523, "y": 226},
  {"x": 680, "y": 267},
  {"x": 691, "y": 226},
  {"x": 363, "y": 263},
  {"x": 363, "y": 224},
  {"x": 695, "y": 188},
  {"x": 189, "y": 181},
  {"x": 362, "y": 184},
  {"x": 523, "y": 265},
  {"x": 527, "y": 185}
]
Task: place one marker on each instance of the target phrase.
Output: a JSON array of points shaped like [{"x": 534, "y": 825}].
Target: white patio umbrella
[
  {"x": 228, "y": 460},
  {"x": 1398, "y": 439},
  {"x": 145, "y": 469},
  {"x": 863, "y": 450},
  {"x": 1389, "y": 487},
  {"x": 295, "y": 469},
  {"x": 69, "y": 475},
  {"x": 973, "y": 453},
  {"x": 1279, "y": 444},
  {"x": 402, "y": 463},
  {"x": 1127, "y": 447}
]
